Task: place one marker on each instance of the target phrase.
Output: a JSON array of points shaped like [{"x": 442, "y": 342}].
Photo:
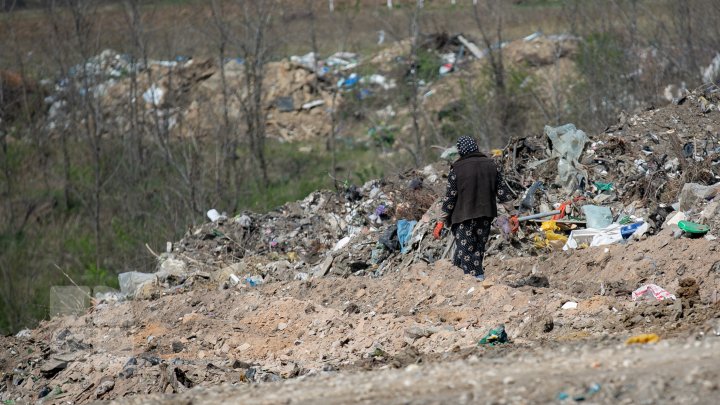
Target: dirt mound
[
  {"x": 19, "y": 96},
  {"x": 280, "y": 330}
]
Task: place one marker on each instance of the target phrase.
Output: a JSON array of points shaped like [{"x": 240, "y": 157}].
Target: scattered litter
[
  {"x": 568, "y": 144},
  {"x": 597, "y": 217},
  {"x": 693, "y": 228},
  {"x": 495, "y": 336},
  {"x": 404, "y": 231},
  {"x": 215, "y": 216},
  {"x": 651, "y": 289},
  {"x": 313, "y": 104},
  {"x": 130, "y": 281},
  {"x": 154, "y": 95},
  {"x": 570, "y": 305},
  {"x": 341, "y": 243},
  {"x": 643, "y": 339}
]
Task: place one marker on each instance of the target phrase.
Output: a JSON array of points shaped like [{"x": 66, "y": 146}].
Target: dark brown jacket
[{"x": 477, "y": 187}]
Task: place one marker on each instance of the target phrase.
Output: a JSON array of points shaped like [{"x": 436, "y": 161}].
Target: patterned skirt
[{"x": 471, "y": 236}]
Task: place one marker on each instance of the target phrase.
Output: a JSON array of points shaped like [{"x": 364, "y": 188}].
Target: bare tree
[
  {"x": 254, "y": 46},
  {"x": 491, "y": 12},
  {"x": 415, "y": 82}
]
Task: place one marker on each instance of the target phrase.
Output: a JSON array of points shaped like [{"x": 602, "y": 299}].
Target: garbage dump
[
  {"x": 189, "y": 97},
  {"x": 609, "y": 236},
  {"x": 352, "y": 279}
]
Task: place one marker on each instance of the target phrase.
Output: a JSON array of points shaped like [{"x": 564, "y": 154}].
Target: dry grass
[{"x": 185, "y": 28}]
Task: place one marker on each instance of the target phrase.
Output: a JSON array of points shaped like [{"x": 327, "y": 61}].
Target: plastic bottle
[{"x": 628, "y": 230}]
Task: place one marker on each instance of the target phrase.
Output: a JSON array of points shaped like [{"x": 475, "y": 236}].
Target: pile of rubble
[
  {"x": 648, "y": 168},
  {"x": 337, "y": 233},
  {"x": 189, "y": 98},
  {"x": 649, "y": 172}
]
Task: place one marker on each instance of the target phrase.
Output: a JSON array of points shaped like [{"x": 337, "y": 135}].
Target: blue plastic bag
[{"x": 404, "y": 231}]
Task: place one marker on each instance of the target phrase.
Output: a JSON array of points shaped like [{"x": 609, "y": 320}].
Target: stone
[
  {"x": 711, "y": 211},
  {"x": 693, "y": 194},
  {"x": 323, "y": 268},
  {"x": 52, "y": 367},
  {"x": 172, "y": 270},
  {"x": 105, "y": 386},
  {"x": 570, "y": 305},
  {"x": 416, "y": 332}
]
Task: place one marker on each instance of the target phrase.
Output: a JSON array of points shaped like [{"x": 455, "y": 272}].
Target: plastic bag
[
  {"x": 404, "y": 232},
  {"x": 652, "y": 289},
  {"x": 568, "y": 143},
  {"x": 597, "y": 217},
  {"x": 130, "y": 281}
]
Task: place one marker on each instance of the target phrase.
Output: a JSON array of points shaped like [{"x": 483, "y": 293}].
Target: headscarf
[{"x": 467, "y": 145}]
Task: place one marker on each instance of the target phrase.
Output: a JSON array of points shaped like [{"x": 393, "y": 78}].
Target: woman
[{"x": 470, "y": 204}]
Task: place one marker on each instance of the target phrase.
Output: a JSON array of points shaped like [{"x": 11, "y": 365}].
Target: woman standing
[{"x": 470, "y": 205}]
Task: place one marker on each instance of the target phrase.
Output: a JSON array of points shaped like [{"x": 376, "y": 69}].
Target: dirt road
[{"x": 608, "y": 371}]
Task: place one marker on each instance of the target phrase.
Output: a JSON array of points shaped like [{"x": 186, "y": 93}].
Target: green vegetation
[{"x": 151, "y": 208}]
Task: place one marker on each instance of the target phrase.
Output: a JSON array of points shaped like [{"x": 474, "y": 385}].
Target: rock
[
  {"x": 177, "y": 347},
  {"x": 148, "y": 290},
  {"x": 282, "y": 326},
  {"x": 244, "y": 221},
  {"x": 322, "y": 269},
  {"x": 712, "y": 327},
  {"x": 104, "y": 387},
  {"x": 24, "y": 334},
  {"x": 191, "y": 317},
  {"x": 127, "y": 372},
  {"x": 533, "y": 281},
  {"x": 173, "y": 271},
  {"x": 52, "y": 367},
  {"x": 672, "y": 220},
  {"x": 548, "y": 324},
  {"x": 689, "y": 291},
  {"x": 237, "y": 364},
  {"x": 711, "y": 211},
  {"x": 693, "y": 194},
  {"x": 416, "y": 332}
]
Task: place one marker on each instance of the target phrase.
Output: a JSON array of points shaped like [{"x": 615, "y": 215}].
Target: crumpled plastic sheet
[
  {"x": 404, "y": 230},
  {"x": 658, "y": 292},
  {"x": 568, "y": 143}
]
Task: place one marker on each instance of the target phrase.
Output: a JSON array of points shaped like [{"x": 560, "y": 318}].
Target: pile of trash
[
  {"x": 648, "y": 172},
  {"x": 188, "y": 97},
  {"x": 350, "y": 231},
  {"x": 653, "y": 171},
  {"x": 245, "y": 298}
]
